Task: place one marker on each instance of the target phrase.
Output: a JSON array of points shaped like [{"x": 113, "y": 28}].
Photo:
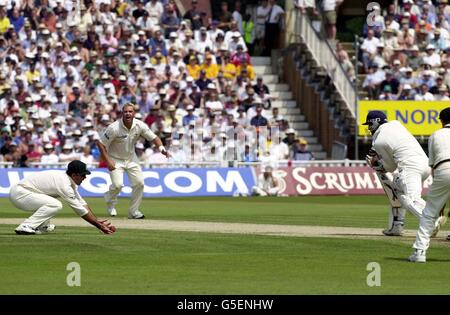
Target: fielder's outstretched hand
[{"x": 106, "y": 227}]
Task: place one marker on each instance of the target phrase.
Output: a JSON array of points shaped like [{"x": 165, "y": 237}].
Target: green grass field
[{"x": 168, "y": 262}]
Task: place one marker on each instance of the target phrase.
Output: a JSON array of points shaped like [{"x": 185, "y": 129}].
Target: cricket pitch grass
[{"x": 222, "y": 245}]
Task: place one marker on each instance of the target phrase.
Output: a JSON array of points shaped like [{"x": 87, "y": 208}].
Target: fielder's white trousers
[
  {"x": 438, "y": 196},
  {"x": 259, "y": 192},
  {"x": 44, "y": 207},
  {"x": 409, "y": 182},
  {"x": 134, "y": 171}
]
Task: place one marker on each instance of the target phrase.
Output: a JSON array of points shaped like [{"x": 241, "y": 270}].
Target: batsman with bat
[{"x": 396, "y": 151}]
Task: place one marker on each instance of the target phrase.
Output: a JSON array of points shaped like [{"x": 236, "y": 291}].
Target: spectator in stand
[
  {"x": 248, "y": 33},
  {"x": 225, "y": 18},
  {"x": 259, "y": 120},
  {"x": 406, "y": 93},
  {"x": 299, "y": 151},
  {"x": 373, "y": 80},
  {"x": 386, "y": 94},
  {"x": 330, "y": 10},
  {"x": 423, "y": 94},
  {"x": 368, "y": 48},
  {"x": 272, "y": 29},
  {"x": 237, "y": 16},
  {"x": 262, "y": 12}
]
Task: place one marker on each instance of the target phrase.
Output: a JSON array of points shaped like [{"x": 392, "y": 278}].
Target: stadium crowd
[
  {"x": 406, "y": 52},
  {"x": 68, "y": 66}
]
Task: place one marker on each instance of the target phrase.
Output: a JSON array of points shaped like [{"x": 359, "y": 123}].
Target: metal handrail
[{"x": 324, "y": 55}]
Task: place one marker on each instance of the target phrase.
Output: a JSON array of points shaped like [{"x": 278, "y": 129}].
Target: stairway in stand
[{"x": 287, "y": 106}]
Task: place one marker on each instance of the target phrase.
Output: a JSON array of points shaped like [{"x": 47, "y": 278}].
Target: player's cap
[
  {"x": 77, "y": 167},
  {"x": 444, "y": 115},
  {"x": 375, "y": 115}
]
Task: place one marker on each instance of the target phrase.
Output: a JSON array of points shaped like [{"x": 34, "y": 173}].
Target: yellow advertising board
[{"x": 421, "y": 118}]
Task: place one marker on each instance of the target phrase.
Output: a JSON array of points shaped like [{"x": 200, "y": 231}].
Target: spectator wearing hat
[
  {"x": 300, "y": 151},
  {"x": 211, "y": 69},
  {"x": 239, "y": 55},
  {"x": 49, "y": 157},
  {"x": 432, "y": 57},
  {"x": 190, "y": 116},
  {"x": 407, "y": 93},
  {"x": 427, "y": 78}
]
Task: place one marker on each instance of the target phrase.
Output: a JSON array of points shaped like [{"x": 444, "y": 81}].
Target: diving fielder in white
[
  {"x": 117, "y": 148},
  {"x": 36, "y": 193},
  {"x": 397, "y": 150},
  {"x": 439, "y": 193}
]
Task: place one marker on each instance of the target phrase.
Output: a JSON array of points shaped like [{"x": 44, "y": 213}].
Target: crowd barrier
[{"x": 294, "y": 180}]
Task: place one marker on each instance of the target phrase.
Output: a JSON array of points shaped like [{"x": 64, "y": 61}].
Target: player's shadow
[{"x": 403, "y": 259}]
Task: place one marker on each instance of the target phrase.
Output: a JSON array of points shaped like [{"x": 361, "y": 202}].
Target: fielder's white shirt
[
  {"x": 121, "y": 141},
  {"x": 439, "y": 146},
  {"x": 397, "y": 148},
  {"x": 56, "y": 184}
]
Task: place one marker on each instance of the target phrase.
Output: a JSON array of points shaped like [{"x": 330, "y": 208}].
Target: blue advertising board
[{"x": 158, "y": 182}]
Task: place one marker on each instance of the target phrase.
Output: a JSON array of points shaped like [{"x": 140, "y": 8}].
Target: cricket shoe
[
  {"x": 438, "y": 225},
  {"x": 395, "y": 230},
  {"x": 419, "y": 256},
  {"x": 111, "y": 211},
  {"x": 448, "y": 237},
  {"x": 24, "y": 229},
  {"x": 46, "y": 228},
  {"x": 136, "y": 215}
]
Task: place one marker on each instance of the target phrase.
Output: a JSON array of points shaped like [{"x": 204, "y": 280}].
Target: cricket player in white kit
[
  {"x": 267, "y": 184},
  {"x": 397, "y": 150},
  {"x": 439, "y": 193},
  {"x": 37, "y": 192},
  {"x": 117, "y": 148}
]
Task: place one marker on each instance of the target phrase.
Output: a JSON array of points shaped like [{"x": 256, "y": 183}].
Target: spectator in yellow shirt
[
  {"x": 228, "y": 68},
  {"x": 32, "y": 73},
  {"x": 211, "y": 69},
  {"x": 4, "y": 21},
  {"x": 193, "y": 68},
  {"x": 250, "y": 70}
]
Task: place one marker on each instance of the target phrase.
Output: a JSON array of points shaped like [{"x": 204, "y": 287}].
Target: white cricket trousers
[
  {"x": 438, "y": 196},
  {"x": 44, "y": 207},
  {"x": 259, "y": 192},
  {"x": 409, "y": 182},
  {"x": 134, "y": 171}
]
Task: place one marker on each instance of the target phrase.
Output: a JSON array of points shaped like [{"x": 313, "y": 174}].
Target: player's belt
[{"x": 441, "y": 162}]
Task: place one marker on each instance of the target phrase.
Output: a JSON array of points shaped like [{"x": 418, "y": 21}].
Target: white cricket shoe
[
  {"x": 438, "y": 225},
  {"x": 419, "y": 256},
  {"x": 24, "y": 229},
  {"x": 395, "y": 230},
  {"x": 47, "y": 228},
  {"x": 112, "y": 211},
  {"x": 136, "y": 215}
]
